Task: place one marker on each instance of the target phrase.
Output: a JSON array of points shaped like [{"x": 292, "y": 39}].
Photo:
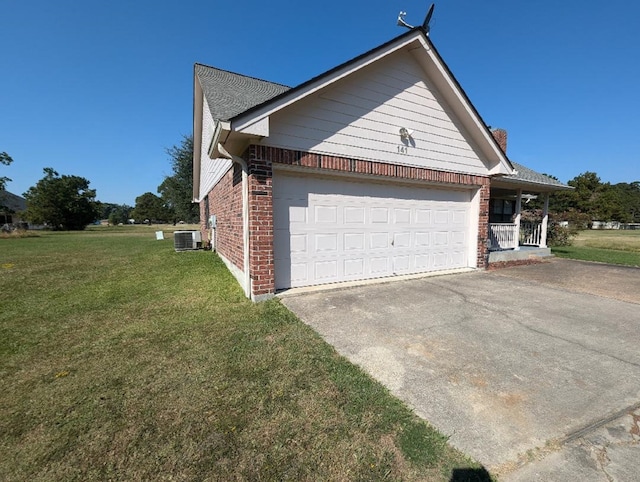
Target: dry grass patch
[
  {"x": 18, "y": 233},
  {"x": 621, "y": 240},
  {"x": 604, "y": 246}
]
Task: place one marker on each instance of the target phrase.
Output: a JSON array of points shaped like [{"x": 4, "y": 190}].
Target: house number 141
[{"x": 403, "y": 149}]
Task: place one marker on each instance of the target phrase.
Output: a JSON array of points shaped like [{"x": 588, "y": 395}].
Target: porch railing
[
  {"x": 530, "y": 234},
  {"x": 503, "y": 236}
]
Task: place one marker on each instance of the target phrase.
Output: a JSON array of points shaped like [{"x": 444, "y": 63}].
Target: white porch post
[
  {"x": 517, "y": 219},
  {"x": 545, "y": 221}
]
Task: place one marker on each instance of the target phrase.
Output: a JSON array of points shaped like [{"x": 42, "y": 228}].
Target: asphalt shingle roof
[
  {"x": 12, "y": 201},
  {"x": 229, "y": 94},
  {"x": 527, "y": 175}
]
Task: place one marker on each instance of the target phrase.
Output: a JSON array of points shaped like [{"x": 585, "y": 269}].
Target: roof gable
[
  {"x": 241, "y": 106},
  {"x": 360, "y": 116},
  {"x": 418, "y": 44},
  {"x": 229, "y": 94},
  {"x": 12, "y": 201}
]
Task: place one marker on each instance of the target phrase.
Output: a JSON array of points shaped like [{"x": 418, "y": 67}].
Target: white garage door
[{"x": 328, "y": 230}]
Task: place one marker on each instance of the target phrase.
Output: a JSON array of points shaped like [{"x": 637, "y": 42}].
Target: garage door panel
[
  {"x": 354, "y": 241},
  {"x": 402, "y": 216},
  {"x": 326, "y": 270},
  {"x": 401, "y": 263},
  {"x": 354, "y": 268},
  {"x": 441, "y": 217},
  {"x": 459, "y": 217},
  {"x": 298, "y": 245},
  {"x": 342, "y": 230},
  {"x": 423, "y": 239},
  {"x": 458, "y": 238},
  {"x": 379, "y": 265},
  {"x": 441, "y": 238},
  {"x": 402, "y": 240},
  {"x": 325, "y": 214},
  {"x": 326, "y": 242},
  {"x": 379, "y": 240},
  {"x": 379, "y": 215},
  {"x": 299, "y": 273},
  {"x": 422, "y": 262},
  {"x": 423, "y": 216},
  {"x": 458, "y": 259},
  {"x": 354, "y": 215},
  {"x": 440, "y": 260}
]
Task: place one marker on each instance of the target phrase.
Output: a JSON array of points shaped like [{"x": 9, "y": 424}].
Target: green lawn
[
  {"x": 121, "y": 359},
  {"x": 604, "y": 246}
]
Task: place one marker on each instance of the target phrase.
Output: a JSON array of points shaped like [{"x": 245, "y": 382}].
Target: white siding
[
  {"x": 360, "y": 117},
  {"x": 211, "y": 170}
]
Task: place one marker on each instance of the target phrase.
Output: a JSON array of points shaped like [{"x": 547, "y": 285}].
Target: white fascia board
[
  {"x": 243, "y": 121},
  {"x": 259, "y": 128},
  {"x": 504, "y": 166},
  {"x": 197, "y": 136}
]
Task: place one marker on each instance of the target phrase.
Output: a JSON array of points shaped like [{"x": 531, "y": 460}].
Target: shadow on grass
[{"x": 470, "y": 475}]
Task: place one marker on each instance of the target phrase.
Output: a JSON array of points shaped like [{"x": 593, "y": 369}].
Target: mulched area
[{"x": 518, "y": 262}]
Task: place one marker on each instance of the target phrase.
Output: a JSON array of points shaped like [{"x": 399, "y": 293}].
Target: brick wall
[
  {"x": 483, "y": 225},
  {"x": 342, "y": 164},
  {"x": 225, "y": 201},
  {"x": 260, "y": 223},
  {"x": 260, "y": 160}
]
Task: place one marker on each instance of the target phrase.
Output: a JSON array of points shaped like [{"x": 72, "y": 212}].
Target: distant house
[
  {"x": 11, "y": 207},
  {"x": 379, "y": 167}
]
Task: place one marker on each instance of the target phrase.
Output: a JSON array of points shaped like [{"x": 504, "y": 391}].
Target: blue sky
[{"x": 100, "y": 89}]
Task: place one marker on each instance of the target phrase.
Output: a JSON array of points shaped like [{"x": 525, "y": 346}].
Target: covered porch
[{"x": 511, "y": 237}]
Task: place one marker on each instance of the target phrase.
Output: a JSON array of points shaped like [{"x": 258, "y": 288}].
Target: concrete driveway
[{"x": 534, "y": 371}]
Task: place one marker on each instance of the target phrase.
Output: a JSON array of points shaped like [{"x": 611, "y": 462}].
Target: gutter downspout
[{"x": 245, "y": 215}]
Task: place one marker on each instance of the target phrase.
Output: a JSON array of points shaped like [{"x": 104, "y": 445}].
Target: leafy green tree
[
  {"x": 624, "y": 201},
  {"x": 115, "y": 213},
  {"x": 177, "y": 190},
  {"x": 120, "y": 214},
  {"x": 586, "y": 193},
  {"x": 106, "y": 209},
  {"x": 592, "y": 199},
  {"x": 6, "y": 160},
  {"x": 61, "y": 202},
  {"x": 150, "y": 207}
]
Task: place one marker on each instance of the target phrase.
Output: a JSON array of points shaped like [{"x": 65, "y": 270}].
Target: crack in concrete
[
  {"x": 603, "y": 461},
  {"x": 509, "y": 314},
  {"x": 581, "y": 432}
]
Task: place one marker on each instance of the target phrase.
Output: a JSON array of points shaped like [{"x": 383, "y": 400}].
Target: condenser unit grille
[{"x": 185, "y": 240}]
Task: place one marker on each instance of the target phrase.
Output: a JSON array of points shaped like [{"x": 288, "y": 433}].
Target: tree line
[
  {"x": 66, "y": 202},
  {"x": 594, "y": 200}
]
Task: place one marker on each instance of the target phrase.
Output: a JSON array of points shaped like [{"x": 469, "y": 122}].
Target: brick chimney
[{"x": 500, "y": 135}]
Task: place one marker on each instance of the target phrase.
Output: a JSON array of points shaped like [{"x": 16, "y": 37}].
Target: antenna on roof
[
  {"x": 425, "y": 25},
  {"x": 427, "y": 19},
  {"x": 401, "y": 22}
]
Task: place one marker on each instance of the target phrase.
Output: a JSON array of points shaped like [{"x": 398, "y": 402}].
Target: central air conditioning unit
[{"x": 186, "y": 240}]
